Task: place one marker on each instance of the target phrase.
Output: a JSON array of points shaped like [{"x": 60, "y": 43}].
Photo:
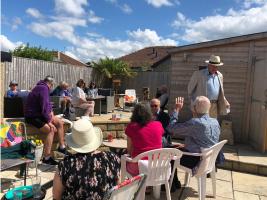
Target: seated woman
[
  {"x": 13, "y": 91},
  {"x": 89, "y": 173},
  {"x": 92, "y": 90},
  {"x": 79, "y": 99},
  {"x": 143, "y": 133}
]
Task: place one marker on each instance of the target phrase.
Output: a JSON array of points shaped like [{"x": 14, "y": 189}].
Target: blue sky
[{"x": 91, "y": 29}]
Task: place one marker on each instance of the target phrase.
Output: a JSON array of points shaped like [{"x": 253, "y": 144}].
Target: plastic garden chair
[
  {"x": 127, "y": 190},
  {"x": 157, "y": 167},
  {"x": 206, "y": 166}
]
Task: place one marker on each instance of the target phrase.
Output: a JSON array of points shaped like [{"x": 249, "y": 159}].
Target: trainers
[
  {"x": 50, "y": 161},
  {"x": 63, "y": 151}
]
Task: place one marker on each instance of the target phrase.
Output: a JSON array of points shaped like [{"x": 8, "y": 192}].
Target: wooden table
[
  {"x": 118, "y": 146},
  {"x": 116, "y": 143}
]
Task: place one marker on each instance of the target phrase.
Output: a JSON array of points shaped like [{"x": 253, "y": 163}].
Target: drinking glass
[{"x": 36, "y": 187}]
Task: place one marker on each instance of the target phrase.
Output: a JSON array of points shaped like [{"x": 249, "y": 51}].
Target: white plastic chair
[
  {"x": 127, "y": 190},
  {"x": 157, "y": 168},
  {"x": 206, "y": 166}
]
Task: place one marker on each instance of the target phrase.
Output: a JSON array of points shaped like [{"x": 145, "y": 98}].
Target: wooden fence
[
  {"x": 27, "y": 72},
  {"x": 152, "y": 80}
]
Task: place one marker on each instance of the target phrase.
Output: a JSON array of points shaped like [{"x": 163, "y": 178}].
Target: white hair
[{"x": 202, "y": 105}]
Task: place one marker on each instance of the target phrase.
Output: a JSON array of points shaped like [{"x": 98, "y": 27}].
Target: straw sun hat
[
  {"x": 214, "y": 60},
  {"x": 84, "y": 137}
]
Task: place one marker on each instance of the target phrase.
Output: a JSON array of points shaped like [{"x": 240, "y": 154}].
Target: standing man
[
  {"x": 209, "y": 82},
  {"x": 39, "y": 113}
]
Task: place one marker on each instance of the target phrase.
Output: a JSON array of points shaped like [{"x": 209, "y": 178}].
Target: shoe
[
  {"x": 63, "y": 151},
  {"x": 50, "y": 161},
  {"x": 208, "y": 175}
]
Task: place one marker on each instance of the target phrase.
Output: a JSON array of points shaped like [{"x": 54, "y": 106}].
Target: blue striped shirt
[{"x": 202, "y": 132}]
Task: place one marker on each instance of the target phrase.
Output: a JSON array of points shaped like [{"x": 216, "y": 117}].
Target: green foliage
[
  {"x": 113, "y": 68},
  {"x": 33, "y": 52}
]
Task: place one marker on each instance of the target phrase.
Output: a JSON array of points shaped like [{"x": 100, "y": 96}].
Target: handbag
[{"x": 69, "y": 113}]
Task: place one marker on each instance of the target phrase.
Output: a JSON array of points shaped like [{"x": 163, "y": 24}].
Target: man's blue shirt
[{"x": 202, "y": 132}]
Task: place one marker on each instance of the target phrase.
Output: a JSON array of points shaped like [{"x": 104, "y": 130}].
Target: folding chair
[
  {"x": 127, "y": 190},
  {"x": 130, "y": 98},
  {"x": 15, "y": 149}
]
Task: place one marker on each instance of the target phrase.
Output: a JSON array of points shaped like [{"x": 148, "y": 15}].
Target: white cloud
[
  {"x": 93, "y": 35},
  {"x": 126, "y": 8},
  {"x": 73, "y": 21},
  {"x": 70, "y": 54},
  {"x": 93, "y": 18},
  {"x": 149, "y": 37},
  {"x": 93, "y": 48},
  {"x": 34, "y": 13},
  {"x": 15, "y": 23},
  {"x": 159, "y": 3},
  {"x": 249, "y": 3},
  {"x": 70, "y": 7},
  {"x": 240, "y": 22},
  {"x": 7, "y": 45}
]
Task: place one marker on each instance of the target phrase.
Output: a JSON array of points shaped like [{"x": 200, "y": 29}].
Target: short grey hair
[
  {"x": 202, "y": 105},
  {"x": 49, "y": 79}
]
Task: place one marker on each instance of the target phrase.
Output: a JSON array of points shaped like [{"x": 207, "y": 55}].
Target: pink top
[{"x": 145, "y": 138}]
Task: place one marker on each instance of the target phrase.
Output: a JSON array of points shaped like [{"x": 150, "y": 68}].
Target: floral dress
[{"x": 89, "y": 176}]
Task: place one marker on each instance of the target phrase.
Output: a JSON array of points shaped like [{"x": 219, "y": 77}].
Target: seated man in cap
[
  {"x": 13, "y": 91},
  {"x": 39, "y": 113}
]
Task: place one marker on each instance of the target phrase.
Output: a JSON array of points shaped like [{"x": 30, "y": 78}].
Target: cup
[
  {"x": 17, "y": 195},
  {"x": 36, "y": 187},
  {"x": 110, "y": 137},
  {"x": 113, "y": 117}
]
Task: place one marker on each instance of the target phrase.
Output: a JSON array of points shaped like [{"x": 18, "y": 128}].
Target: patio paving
[{"x": 230, "y": 185}]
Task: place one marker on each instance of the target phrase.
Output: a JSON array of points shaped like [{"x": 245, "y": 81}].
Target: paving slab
[
  {"x": 249, "y": 183},
  {"x": 224, "y": 175},
  {"x": 247, "y": 154},
  {"x": 263, "y": 197},
  {"x": 247, "y": 196},
  {"x": 224, "y": 189}
]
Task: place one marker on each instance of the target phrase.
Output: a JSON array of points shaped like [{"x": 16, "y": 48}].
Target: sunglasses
[{"x": 154, "y": 106}]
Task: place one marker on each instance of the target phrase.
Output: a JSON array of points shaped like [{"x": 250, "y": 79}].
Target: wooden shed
[{"x": 245, "y": 81}]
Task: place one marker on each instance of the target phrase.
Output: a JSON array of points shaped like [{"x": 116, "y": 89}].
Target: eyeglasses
[{"x": 154, "y": 106}]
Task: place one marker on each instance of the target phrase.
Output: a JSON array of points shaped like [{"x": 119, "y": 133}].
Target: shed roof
[{"x": 224, "y": 41}]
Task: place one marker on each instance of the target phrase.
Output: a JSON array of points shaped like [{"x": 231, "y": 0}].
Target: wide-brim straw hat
[
  {"x": 214, "y": 60},
  {"x": 84, "y": 138}
]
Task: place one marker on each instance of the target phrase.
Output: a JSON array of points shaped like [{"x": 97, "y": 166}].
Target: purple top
[{"x": 38, "y": 104}]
